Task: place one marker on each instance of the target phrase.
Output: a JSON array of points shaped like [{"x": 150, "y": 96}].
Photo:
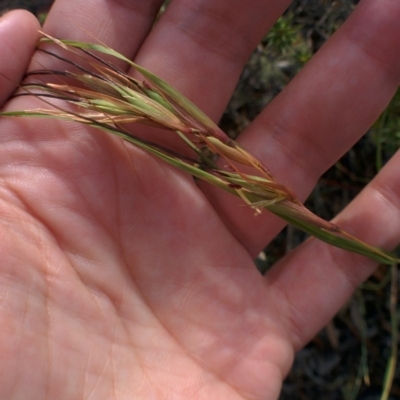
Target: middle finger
[{"x": 201, "y": 46}]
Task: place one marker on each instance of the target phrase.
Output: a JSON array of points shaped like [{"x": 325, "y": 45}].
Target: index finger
[{"x": 120, "y": 24}]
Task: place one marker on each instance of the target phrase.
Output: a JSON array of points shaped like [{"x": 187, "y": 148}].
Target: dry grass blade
[{"x": 105, "y": 97}]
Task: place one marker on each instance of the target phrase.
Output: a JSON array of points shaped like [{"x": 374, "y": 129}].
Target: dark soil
[{"x": 34, "y": 6}]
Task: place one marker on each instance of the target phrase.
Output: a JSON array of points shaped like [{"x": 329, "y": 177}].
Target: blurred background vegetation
[{"x": 348, "y": 359}]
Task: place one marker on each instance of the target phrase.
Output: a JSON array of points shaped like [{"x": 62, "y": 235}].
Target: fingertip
[{"x": 19, "y": 32}]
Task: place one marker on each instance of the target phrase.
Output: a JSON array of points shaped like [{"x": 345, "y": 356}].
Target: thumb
[{"x": 18, "y": 37}]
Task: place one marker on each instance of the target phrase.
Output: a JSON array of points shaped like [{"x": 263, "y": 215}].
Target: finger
[
  {"x": 120, "y": 24},
  {"x": 201, "y": 46},
  {"x": 18, "y": 36},
  {"x": 322, "y": 113},
  {"x": 315, "y": 280}
]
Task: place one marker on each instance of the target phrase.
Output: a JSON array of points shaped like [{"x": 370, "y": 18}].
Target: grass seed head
[{"x": 107, "y": 98}]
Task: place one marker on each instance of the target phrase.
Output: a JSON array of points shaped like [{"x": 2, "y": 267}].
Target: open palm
[{"x": 120, "y": 277}]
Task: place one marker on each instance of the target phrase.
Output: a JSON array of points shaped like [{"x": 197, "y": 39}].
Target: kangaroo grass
[{"x": 104, "y": 97}]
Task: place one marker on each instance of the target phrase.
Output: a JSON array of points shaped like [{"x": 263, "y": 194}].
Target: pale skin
[{"x": 120, "y": 278}]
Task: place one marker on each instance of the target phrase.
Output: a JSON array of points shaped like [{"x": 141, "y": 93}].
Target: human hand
[{"x": 120, "y": 278}]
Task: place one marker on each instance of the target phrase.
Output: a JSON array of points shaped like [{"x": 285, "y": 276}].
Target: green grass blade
[
  {"x": 335, "y": 239},
  {"x": 394, "y": 325}
]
